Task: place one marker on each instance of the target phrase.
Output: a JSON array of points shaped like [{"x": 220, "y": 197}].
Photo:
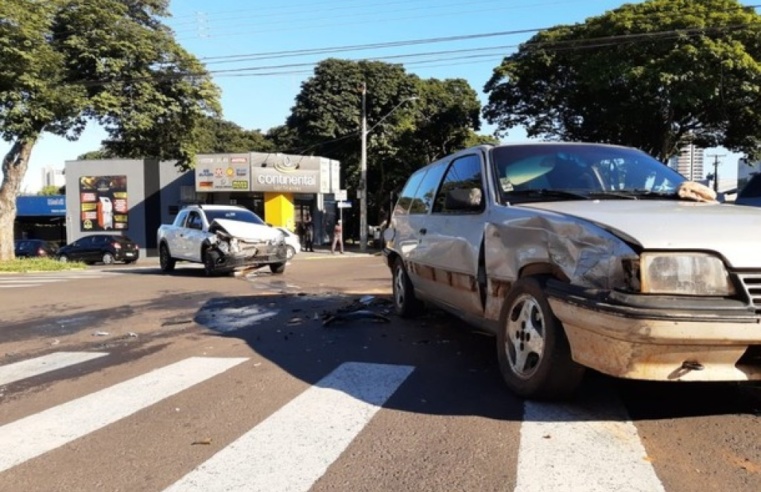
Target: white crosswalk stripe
[
  {"x": 296, "y": 445},
  {"x": 17, "y": 371},
  {"x": 42, "y": 432},
  {"x": 591, "y": 446},
  {"x": 36, "y": 279},
  {"x": 566, "y": 447}
]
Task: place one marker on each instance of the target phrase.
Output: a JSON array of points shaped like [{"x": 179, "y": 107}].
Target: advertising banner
[
  {"x": 103, "y": 203},
  {"x": 223, "y": 172}
]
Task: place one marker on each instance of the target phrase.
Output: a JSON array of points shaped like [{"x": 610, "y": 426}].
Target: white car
[
  {"x": 293, "y": 245},
  {"x": 582, "y": 256}
]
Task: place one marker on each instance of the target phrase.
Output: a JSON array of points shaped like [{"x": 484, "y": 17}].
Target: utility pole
[
  {"x": 363, "y": 164},
  {"x": 716, "y": 170},
  {"x": 363, "y": 176}
]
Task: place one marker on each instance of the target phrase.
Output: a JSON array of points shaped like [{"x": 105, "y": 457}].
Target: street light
[{"x": 363, "y": 165}]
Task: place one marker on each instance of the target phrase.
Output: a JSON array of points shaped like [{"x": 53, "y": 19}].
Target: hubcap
[{"x": 524, "y": 343}]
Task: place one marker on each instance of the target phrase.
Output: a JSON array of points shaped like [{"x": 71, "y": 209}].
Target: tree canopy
[
  {"x": 651, "y": 75},
  {"x": 410, "y": 122},
  {"x": 64, "y": 63}
]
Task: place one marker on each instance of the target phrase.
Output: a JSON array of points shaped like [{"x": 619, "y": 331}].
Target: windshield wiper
[{"x": 545, "y": 193}]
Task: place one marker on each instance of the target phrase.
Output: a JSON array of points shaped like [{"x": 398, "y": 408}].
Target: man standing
[
  {"x": 308, "y": 235},
  {"x": 337, "y": 238}
]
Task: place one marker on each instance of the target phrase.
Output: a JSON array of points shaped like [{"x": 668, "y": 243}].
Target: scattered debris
[
  {"x": 55, "y": 342},
  {"x": 359, "y": 314},
  {"x": 295, "y": 321},
  {"x": 100, "y": 334},
  {"x": 132, "y": 334},
  {"x": 176, "y": 322},
  {"x": 367, "y": 299},
  {"x": 206, "y": 441}
]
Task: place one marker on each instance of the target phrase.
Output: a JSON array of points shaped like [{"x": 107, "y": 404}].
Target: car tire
[
  {"x": 277, "y": 268},
  {"x": 406, "y": 304},
  {"x": 210, "y": 262},
  {"x": 533, "y": 351},
  {"x": 166, "y": 262},
  {"x": 107, "y": 258},
  {"x": 290, "y": 252}
]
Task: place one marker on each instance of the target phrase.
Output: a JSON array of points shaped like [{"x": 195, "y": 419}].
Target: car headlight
[{"x": 690, "y": 274}]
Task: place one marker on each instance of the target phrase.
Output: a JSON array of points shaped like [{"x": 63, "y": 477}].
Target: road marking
[
  {"x": 33, "y": 367},
  {"x": 36, "y": 434},
  {"x": 568, "y": 447},
  {"x": 294, "y": 447}
]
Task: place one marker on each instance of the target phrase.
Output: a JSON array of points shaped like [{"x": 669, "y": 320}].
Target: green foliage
[
  {"x": 24, "y": 265},
  {"x": 69, "y": 61},
  {"x": 649, "y": 75},
  {"x": 410, "y": 122},
  {"x": 50, "y": 190},
  {"x": 215, "y": 135}
]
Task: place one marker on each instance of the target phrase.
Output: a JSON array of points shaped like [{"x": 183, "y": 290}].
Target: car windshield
[
  {"x": 541, "y": 172},
  {"x": 240, "y": 215}
]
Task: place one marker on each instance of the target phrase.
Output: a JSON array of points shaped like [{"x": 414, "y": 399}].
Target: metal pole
[{"x": 363, "y": 177}]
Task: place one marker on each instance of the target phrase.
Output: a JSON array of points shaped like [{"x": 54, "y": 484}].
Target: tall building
[
  {"x": 689, "y": 162},
  {"x": 53, "y": 177}
]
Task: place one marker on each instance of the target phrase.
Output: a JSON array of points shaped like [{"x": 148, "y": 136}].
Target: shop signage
[
  {"x": 223, "y": 172},
  {"x": 103, "y": 203}
]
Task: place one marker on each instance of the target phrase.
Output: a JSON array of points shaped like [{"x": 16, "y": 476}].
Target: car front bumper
[{"x": 661, "y": 339}]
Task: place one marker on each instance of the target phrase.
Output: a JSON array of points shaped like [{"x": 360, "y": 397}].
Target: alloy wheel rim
[{"x": 525, "y": 340}]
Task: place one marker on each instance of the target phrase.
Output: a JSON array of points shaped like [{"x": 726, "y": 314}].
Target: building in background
[
  {"x": 689, "y": 162},
  {"x": 53, "y": 177}
]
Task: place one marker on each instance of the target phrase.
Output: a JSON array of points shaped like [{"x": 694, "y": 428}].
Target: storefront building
[{"x": 134, "y": 197}]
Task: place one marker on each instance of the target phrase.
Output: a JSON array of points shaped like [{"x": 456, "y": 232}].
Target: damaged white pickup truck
[
  {"x": 582, "y": 256},
  {"x": 222, "y": 237}
]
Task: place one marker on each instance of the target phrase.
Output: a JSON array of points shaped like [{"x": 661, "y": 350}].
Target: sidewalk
[{"x": 350, "y": 250}]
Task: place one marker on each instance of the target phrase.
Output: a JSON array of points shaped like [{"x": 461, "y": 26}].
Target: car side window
[
  {"x": 408, "y": 192},
  {"x": 462, "y": 189},
  {"x": 423, "y": 200},
  {"x": 194, "y": 221},
  {"x": 85, "y": 241}
]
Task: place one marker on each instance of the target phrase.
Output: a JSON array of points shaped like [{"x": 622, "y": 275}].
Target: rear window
[{"x": 241, "y": 215}]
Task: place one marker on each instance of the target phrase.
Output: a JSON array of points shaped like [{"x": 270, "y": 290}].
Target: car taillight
[
  {"x": 41, "y": 252},
  {"x": 117, "y": 246}
]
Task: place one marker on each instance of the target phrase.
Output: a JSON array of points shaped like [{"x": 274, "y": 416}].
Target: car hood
[
  {"x": 247, "y": 230},
  {"x": 729, "y": 230}
]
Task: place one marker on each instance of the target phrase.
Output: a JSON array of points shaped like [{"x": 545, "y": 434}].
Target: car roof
[{"x": 222, "y": 207}]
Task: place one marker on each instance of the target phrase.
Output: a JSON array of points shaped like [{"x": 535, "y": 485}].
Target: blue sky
[{"x": 260, "y": 94}]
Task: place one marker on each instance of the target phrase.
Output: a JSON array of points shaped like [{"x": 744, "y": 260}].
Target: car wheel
[
  {"x": 533, "y": 351},
  {"x": 166, "y": 262},
  {"x": 277, "y": 268},
  {"x": 210, "y": 263},
  {"x": 290, "y": 252},
  {"x": 63, "y": 258},
  {"x": 108, "y": 258},
  {"x": 406, "y": 303}
]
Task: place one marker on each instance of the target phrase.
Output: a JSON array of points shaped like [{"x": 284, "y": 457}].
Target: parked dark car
[
  {"x": 27, "y": 248},
  {"x": 750, "y": 194},
  {"x": 104, "y": 248}
]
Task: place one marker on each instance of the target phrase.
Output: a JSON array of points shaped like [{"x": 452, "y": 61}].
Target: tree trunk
[{"x": 15, "y": 164}]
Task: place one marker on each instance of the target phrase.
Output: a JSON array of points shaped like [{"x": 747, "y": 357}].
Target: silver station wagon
[{"x": 582, "y": 256}]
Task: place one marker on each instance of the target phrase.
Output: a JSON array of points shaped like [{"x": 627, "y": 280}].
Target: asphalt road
[{"x": 121, "y": 378}]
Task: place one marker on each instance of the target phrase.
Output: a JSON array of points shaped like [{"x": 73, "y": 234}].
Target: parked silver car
[{"x": 582, "y": 256}]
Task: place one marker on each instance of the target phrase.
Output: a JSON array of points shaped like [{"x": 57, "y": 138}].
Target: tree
[
  {"x": 68, "y": 62},
  {"x": 215, "y": 135},
  {"x": 649, "y": 75},
  {"x": 403, "y": 133}
]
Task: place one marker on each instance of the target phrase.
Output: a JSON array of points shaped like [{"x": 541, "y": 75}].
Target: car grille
[{"x": 752, "y": 284}]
